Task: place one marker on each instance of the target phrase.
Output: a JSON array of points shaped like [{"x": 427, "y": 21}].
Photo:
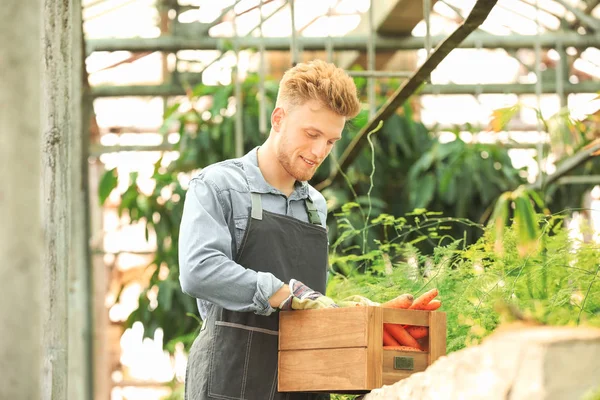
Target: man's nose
[{"x": 320, "y": 150}]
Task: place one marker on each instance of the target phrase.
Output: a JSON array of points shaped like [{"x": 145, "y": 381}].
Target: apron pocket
[
  {"x": 262, "y": 377},
  {"x": 243, "y": 362}
]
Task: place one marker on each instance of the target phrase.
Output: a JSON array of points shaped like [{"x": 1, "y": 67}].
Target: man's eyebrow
[{"x": 312, "y": 128}]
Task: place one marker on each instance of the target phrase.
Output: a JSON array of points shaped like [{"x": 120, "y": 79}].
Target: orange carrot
[
  {"x": 401, "y": 348},
  {"x": 388, "y": 340},
  {"x": 432, "y": 305},
  {"x": 402, "y": 301},
  {"x": 401, "y": 336},
  {"x": 423, "y": 299},
  {"x": 418, "y": 332}
]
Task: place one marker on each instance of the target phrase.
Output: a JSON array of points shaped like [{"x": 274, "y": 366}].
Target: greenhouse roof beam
[
  {"x": 96, "y": 149},
  {"x": 535, "y": 4},
  {"x": 174, "y": 43},
  {"x": 498, "y": 88},
  {"x": 584, "y": 18}
]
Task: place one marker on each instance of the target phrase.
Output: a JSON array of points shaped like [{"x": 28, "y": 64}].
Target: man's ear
[{"x": 277, "y": 118}]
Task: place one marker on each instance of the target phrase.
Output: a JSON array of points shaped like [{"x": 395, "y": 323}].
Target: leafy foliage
[
  {"x": 415, "y": 170},
  {"x": 479, "y": 287},
  {"x": 593, "y": 394},
  {"x": 521, "y": 203},
  {"x": 567, "y": 136}
]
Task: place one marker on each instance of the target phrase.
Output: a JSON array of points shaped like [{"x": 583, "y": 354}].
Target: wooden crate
[{"x": 340, "y": 350}]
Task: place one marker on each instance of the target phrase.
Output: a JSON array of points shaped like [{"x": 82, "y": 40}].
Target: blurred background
[
  {"x": 177, "y": 85},
  {"x": 470, "y": 126}
]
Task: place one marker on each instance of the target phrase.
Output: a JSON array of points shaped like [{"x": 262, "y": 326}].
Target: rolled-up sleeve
[{"x": 206, "y": 267}]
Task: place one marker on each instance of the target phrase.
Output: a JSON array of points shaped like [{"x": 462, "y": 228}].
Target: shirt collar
[{"x": 257, "y": 182}]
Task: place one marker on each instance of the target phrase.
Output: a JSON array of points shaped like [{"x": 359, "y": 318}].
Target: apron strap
[
  {"x": 311, "y": 209},
  {"x": 313, "y": 214},
  {"x": 256, "y": 206}
]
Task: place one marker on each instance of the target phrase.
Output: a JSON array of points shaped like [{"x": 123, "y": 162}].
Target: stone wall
[{"x": 516, "y": 363}]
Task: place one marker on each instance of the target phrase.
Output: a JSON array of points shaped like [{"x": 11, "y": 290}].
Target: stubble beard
[{"x": 284, "y": 158}]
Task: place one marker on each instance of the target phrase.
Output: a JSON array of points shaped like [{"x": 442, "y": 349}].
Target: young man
[{"x": 253, "y": 238}]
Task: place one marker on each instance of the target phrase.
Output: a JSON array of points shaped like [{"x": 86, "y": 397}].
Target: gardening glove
[
  {"x": 356, "y": 300},
  {"x": 304, "y": 298}
]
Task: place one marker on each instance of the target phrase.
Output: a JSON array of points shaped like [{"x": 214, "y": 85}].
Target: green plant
[
  {"x": 567, "y": 138},
  {"x": 345, "y": 396},
  {"x": 479, "y": 287},
  {"x": 177, "y": 391},
  {"x": 415, "y": 170},
  {"x": 541, "y": 273},
  {"x": 593, "y": 394},
  {"x": 519, "y": 205}
]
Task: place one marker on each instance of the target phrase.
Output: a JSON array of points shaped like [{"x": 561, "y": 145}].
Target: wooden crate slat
[
  {"x": 325, "y": 328},
  {"x": 406, "y": 317},
  {"x": 375, "y": 347},
  {"x": 391, "y": 375},
  {"x": 437, "y": 335},
  {"x": 311, "y": 370}
]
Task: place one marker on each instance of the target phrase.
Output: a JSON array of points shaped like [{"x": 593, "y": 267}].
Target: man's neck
[{"x": 272, "y": 170}]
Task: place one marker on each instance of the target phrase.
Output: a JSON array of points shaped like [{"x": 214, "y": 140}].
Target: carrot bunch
[{"x": 405, "y": 337}]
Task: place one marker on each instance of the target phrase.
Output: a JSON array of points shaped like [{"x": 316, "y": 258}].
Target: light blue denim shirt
[{"x": 215, "y": 215}]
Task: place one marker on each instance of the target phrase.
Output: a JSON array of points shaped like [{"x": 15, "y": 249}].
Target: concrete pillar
[
  {"x": 21, "y": 224},
  {"x": 66, "y": 356}
]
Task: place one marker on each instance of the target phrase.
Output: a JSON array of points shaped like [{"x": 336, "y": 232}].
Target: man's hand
[{"x": 301, "y": 297}]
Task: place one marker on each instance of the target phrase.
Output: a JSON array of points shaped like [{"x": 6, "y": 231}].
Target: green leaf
[
  {"x": 393, "y": 129},
  {"x": 422, "y": 165},
  {"x": 171, "y": 110},
  {"x": 418, "y": 240},
  {"x": 202, "y": 90},
  {"x": 359, "y": 121},
  {"x": 143, "y": 204},
  {"x": 476, "y": 171},
  {"x": 165, "y": 294},
  {"x": 220, "y": 100},
  {"x": 536, "y": 198},
  {"x": 500, "y": 219},
  {"x": 108, "y": 182},
  {"x": 443, "y": 150},
  {"x": 527, "y": 230},
  {"x": 349, "y": 206},
  {"x": 447, "y": 187},
  {"x": 422, "y": 194},
  {"x": 129, "y": 201},
  {"x": 502, "y": 116}
]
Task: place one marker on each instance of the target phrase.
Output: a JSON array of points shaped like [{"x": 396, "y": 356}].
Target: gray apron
[{"x": 235, "y": 354}]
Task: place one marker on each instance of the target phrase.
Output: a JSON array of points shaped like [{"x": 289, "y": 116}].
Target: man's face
[{"x": 306, "y": 135}]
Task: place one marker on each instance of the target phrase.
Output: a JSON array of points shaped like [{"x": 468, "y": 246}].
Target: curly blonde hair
[{"x": 321, "y": 81}]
